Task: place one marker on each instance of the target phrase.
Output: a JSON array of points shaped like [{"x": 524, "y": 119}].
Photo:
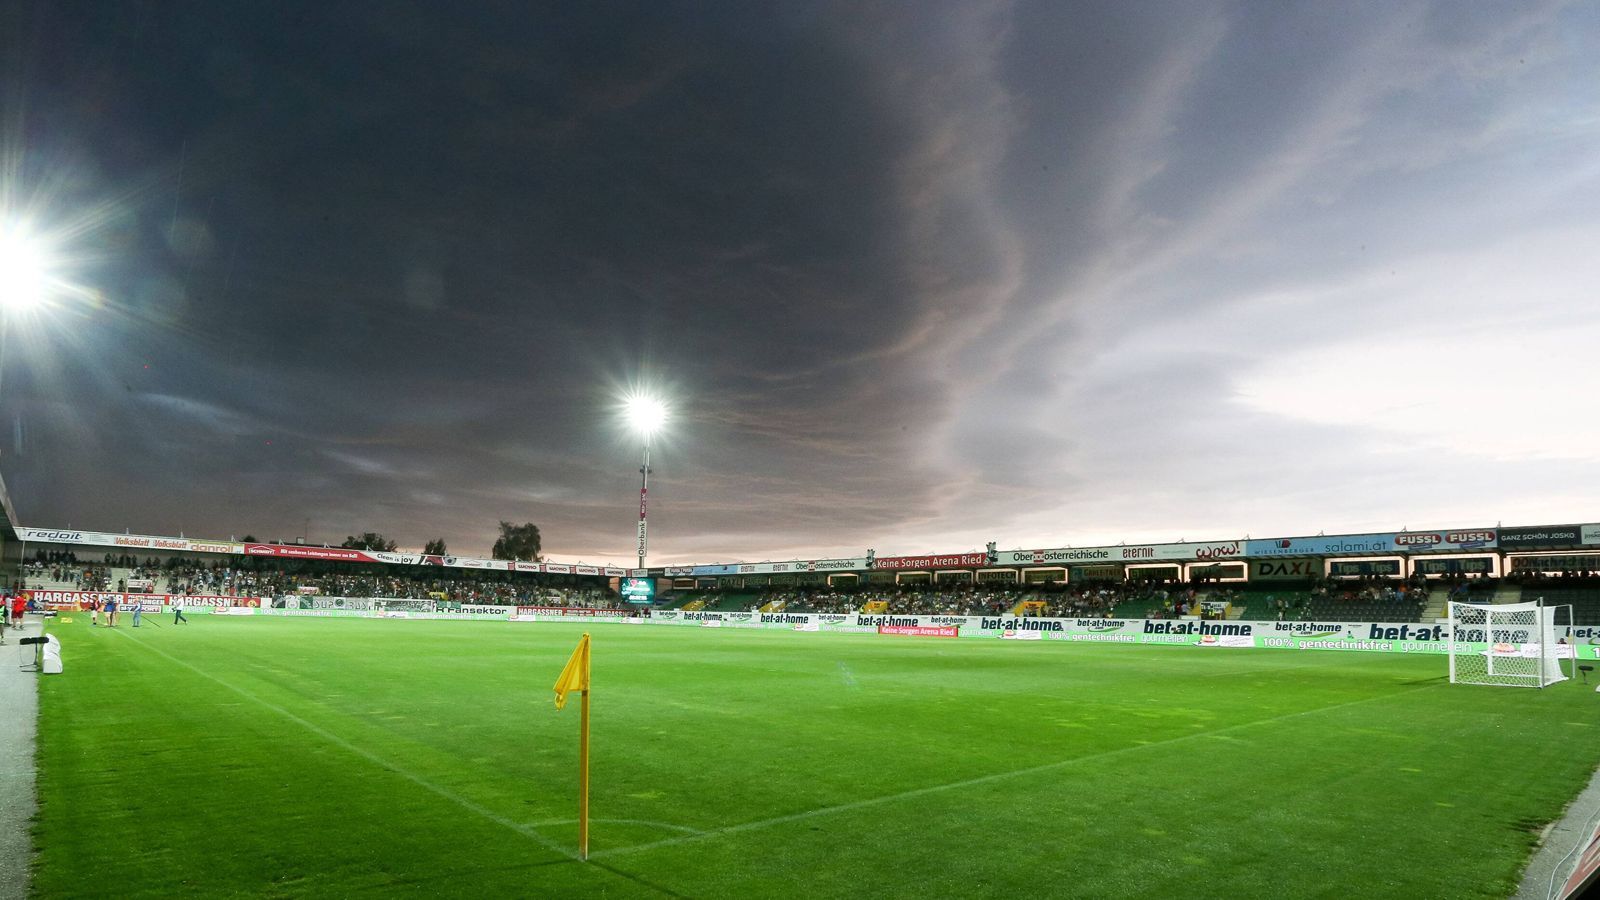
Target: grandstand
[
  {"x": 181, "y": 576},
  {"x": 1404, "y": 577}
]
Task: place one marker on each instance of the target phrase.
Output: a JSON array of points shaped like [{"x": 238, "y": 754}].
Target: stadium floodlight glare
[
  {"x": 24, "y": 271},
  {"x": 647, "y": 415}
]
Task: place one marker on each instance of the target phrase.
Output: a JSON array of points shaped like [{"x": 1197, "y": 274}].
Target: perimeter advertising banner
[
  {"x": 546, "y": 613},
  {"x": 1204, "y": 551},
  {"x": 1298, "y": 568},
  {"x": 75, "y": 600},
  {"x": 1541, "y": 536},
  {"x": 1389, "y": 637},
  {"x": 330, "y": 603},
  {"x": 1380, "y": 637},
  {"x": 947, "y": 561},
  {"x": 125, "y": 541},
  {"x": 1394, "y": 542}
]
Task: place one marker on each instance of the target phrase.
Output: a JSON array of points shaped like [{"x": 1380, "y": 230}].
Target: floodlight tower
[{"x": 646, "y": 415}]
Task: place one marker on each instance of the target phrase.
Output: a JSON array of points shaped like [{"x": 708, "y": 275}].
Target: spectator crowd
[{"x": 271, "y": 578}]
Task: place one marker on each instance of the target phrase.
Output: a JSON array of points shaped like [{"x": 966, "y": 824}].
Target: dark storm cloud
[{"x": 919, "y": 275}]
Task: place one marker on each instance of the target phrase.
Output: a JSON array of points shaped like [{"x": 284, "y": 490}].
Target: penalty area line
[
  {"x": 983, "y": 779},
  {"x": 369, "y": 756}
]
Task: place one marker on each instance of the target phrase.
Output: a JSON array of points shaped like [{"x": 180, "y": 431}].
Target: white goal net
[{"x": 1510, "y": 644}]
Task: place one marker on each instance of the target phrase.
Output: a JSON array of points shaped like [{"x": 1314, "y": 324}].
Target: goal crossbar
[{"x": 1509, "y": 644}]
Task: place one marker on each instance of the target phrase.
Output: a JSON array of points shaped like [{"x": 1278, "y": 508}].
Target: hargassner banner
[
  {"x": 545, "y": 613},
  {"x": 1203, "y": 550},
  {"x": 76, "y": 599}
]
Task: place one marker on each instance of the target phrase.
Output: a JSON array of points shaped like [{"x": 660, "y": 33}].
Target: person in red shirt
[{"x": 19, "y": 605}]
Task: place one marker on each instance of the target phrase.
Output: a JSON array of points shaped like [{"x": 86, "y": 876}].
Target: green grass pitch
[{"x": 295, "y": 757}]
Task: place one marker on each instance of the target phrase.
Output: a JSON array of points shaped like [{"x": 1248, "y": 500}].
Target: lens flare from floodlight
[
  {"x": 24, "y": 271},
  {"x": 646, "y": 414}
]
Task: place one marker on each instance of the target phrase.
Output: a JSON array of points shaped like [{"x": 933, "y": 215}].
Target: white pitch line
[
  {"x": 330, "y": 737},
  {"x": 982, "y": 779},
  {"x": 664, "y": 826}
]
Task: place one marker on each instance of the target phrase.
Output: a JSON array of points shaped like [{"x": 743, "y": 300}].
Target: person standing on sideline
[
  {"x": 19, "y": 606},
  {"x": 177, "y": 614},
  {"x": 137, "y": 609},
  {"x": 111, "y": 612}
]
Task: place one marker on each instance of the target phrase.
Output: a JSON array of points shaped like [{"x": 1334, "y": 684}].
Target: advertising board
[
  {"x": 1393, "y": 542},
  {"x": 947, "y": 561},
  {"x": 1295, "y": 568},
  {"x": 1203, "y": 550},
  {"x": 1534, "y": 537},
  {"x": 72, "y": 600}
]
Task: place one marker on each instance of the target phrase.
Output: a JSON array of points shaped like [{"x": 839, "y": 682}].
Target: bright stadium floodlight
[
  {"x": 25, "y": 278},
  {"x": 647, "y": 415},
  {"x": 24, "y": 271}
]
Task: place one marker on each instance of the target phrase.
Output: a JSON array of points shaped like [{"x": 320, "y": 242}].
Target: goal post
[{"x": 1510, "y": 644}]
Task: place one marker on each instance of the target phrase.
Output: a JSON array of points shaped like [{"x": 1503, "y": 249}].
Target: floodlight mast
[
  {"x": 644, "y": 490},
  {"x": 647, "y": 415}
]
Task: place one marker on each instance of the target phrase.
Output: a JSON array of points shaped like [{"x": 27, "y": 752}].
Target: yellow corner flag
[{"x": 575, "y": 677}]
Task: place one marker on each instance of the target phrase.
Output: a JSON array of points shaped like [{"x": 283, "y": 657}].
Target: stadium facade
[{"x": 1486, "y": 551}]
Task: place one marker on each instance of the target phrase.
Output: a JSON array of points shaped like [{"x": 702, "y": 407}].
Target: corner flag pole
[
  {"x": 575, "y": 677},
  {"x": 583, "y": 769}
]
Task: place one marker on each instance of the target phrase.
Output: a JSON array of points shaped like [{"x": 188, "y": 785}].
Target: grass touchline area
[
  {"x": 421, "y": 782},
  {"x": 325, "y": 757}
]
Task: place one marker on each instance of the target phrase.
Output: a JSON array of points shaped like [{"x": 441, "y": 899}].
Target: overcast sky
[{"x": 914, "y": 276}]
